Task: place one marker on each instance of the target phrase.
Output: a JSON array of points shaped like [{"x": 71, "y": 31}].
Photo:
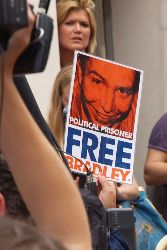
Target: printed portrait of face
[{"x": 108, "y": 93}]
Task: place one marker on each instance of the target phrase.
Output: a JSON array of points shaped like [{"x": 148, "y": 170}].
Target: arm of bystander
[{"x": 45, "y": 184}]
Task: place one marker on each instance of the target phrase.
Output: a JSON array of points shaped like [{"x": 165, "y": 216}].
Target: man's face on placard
[{"x": 107, "y": 90}]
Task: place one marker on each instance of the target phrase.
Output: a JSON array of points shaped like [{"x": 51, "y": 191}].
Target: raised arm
[{"x": 45, "y": 184}]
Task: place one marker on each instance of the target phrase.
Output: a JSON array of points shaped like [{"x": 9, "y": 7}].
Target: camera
[
  {"x": 123, "y": 219},
  {"x": 13, "y": 16}
]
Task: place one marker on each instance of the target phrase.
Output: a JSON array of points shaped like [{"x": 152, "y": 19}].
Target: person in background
[
  {"x": 59, "y": 103},
  {"x": 155, "y": 168},
  {"x": 76, "y": 31},
  {"x": 76, "y": 28}
]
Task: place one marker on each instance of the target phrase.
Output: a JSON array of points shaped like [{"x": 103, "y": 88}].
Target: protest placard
[{"x": 102, "y": 117}]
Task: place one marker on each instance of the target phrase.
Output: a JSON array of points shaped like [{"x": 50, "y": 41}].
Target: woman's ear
[{"x": 2, "y": 205}]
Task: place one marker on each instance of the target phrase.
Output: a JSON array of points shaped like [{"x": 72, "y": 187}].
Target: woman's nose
[{"x": 77, "y": 27}]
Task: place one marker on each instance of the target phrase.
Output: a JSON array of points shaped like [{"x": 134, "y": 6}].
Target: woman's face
[
  {"x": 74, "y": 31},
  {"x": 65, "y": 95}
]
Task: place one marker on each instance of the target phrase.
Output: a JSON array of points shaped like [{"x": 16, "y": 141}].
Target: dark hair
[
  {"x": 20, "y": 235},
  {"x": 83, "y": 61},
  {"x": 136, "y": 81},
  {"x": 14, "y": 203}
]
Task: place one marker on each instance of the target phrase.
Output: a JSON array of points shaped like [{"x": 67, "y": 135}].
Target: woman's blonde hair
[
  {"x": 55, "y": 118},
  {"x": 64, "y": 7}
]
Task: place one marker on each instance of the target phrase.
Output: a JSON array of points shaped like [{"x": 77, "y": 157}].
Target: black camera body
[
  {"x": 34, "y": 58},
  {"x": 123, "y": 219},
  {"x": 14, "y": 16}
]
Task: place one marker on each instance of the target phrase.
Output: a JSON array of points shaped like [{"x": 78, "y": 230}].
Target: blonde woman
[
  {"x": 59, "y": 101},
  {"x": 76, "y": 28}
]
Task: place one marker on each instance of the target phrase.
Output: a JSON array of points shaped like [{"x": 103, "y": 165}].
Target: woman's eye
[
  {"x": 85, "y": 25},
  {"x": 69, "y": 23}
]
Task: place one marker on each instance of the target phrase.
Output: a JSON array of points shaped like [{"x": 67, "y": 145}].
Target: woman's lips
[{"x": 77, "y": 39}]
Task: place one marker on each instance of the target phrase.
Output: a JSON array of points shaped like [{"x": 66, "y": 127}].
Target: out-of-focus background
[{"x": 130, "y": 32}]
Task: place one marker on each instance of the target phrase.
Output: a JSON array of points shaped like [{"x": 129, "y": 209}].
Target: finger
[
  {"x": 31, "y": 18},
  {"x": 101, "y": 178}
]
